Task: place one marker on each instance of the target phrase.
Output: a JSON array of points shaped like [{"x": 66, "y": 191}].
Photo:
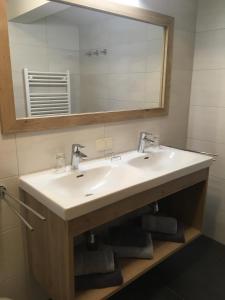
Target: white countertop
[{"x": 105, "y": 182}]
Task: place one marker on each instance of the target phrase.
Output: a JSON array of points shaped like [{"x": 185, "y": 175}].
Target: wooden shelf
[{"x": 134, "y": 268}]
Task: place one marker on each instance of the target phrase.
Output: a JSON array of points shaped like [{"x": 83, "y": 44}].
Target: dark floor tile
[
  {"x": 197, "y": 272},
  {"x": 146, "y": 293}
]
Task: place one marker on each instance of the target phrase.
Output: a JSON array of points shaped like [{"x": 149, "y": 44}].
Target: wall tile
[
  {"x": 12, "y": 260},
  {"x": 209, "y": 50},
  {"x": 37, "y": 151},
  {"x": 60, "y": 35},
  {"x": 208, "y": 88},
  {"x": 180, "y": 88},
  {"x": 62, "y": 60},
  {"x": 14, "y": 288},
  {"x": 32, "y": 35},
  {"x": 210, "y": 15},
  {"x": 218, "y": 167},
  {"x": 126, "y": 134},
  {"x": 8, "y": 159},
  {"x": 214, "y": 224},
  {"x": 183, "y": 50},
  {"x": 8, "y": 219},
  {"x": 21, "y": 57},
  {"x": 207, "y": 123}
]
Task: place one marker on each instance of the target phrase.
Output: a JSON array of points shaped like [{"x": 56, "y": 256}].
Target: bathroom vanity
[{"x": 102, "y": 190}]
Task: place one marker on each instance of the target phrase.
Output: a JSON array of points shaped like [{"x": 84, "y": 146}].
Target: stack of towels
[
  {"x": 100, "y": 268},
  {"x": 131, "y": 242},
  {"x": 96, "y": 268},
  {"x": 163, "y": 228}
]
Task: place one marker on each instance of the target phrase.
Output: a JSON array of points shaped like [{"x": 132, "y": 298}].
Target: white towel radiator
[{"x": 53, "y": 96}]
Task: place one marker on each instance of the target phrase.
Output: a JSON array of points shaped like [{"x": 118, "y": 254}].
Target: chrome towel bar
[
  {"x": 213, "y": 155},
  {"x": 16, "y": 212},
  {"x": 4, "y": 193}
]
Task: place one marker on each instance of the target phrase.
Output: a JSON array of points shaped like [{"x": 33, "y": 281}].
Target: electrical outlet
[
  {"x": 104, "y": 144},
  {"x": 100, "y": 145},
  {"x": 108, "y": 143}
]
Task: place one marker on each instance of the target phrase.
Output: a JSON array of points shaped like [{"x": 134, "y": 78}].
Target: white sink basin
[
  {"x": 163, "y": 159},
  {"x": 101, "y": 182}
]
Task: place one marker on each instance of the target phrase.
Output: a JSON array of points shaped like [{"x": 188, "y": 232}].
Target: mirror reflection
[{"x": 80, "y": 61}]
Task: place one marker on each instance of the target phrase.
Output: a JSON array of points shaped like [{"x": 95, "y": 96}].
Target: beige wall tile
[
  {"x": 37, "y": 151},
  {"x": 183, "y": 50},
  {"x": 8, "y": 219},
  {"x": 12, "y": 259},
  {"x": 208, "y": 88},
  {"x": 210, "y": 15},
  {"x": 14, "y": 288},
  {"x": 209, "y": 50},
  {"x": 8, "y": 159},
  {"x": 218, "y": 167},
  {"x": 207, "y": 123}
]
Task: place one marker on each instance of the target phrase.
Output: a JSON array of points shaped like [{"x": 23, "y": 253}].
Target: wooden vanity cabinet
[{"x": 50, "y": 247}]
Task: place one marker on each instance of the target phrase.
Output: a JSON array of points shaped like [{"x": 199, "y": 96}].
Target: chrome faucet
[
  {"x": 76, "y": 156},
  {"x": 145, "y": 137}
]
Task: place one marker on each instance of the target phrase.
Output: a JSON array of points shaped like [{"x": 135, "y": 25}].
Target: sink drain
[
  {"x": 146, "y": 157},
  {"x": 88, "y": 195},
  {"x": 79, "y": 176}
]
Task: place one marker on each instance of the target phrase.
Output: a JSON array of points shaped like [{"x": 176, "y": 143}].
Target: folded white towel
[{"x": 161, "y": 224}]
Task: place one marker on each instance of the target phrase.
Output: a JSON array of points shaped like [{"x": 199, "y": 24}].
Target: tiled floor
[{"x": 195, "y": 273}]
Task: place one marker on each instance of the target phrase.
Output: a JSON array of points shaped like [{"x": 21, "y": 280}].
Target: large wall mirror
[{"x": 83, "y": 64}]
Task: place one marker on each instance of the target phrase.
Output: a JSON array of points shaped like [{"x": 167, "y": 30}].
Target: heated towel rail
[{"x": 47, "y": 93}]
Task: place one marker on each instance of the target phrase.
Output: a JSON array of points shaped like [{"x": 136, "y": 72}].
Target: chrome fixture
[
  {"x": 145, "y": 138},
  {"x": 76, "y": 156},
  {"x": 89, "y": 53},
  {"x": 4, "y": 193},
  {"x": 96, "y": 52},
  {"x": 213, "y": 155},
  {"x": 104, "y": 51},
  {"x": 115, "y": 157}
]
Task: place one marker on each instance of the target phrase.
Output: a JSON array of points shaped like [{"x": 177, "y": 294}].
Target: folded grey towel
[
  {"x": 97, "y": 281},
  {"x": 161, "y": 224},
  {"x": 135, "y": 252},
  {"x": 128, "y": 236},
  {"x": 91, "y": 262},
  {"x": 178, "y": 237}
]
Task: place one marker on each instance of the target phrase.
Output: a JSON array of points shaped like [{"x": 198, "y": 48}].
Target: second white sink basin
[
  {"x": 101, "y": 182},
  {"x": 163, "y": 159}
]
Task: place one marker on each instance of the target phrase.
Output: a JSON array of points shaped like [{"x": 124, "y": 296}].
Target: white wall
[
  {"x": 129, "y": 76},
  {"x": 48, "y": 45},
  {"x": 20, "y": 7},
  {"x": 23, "y": 153},
  {"x": 207, "y": 112}
]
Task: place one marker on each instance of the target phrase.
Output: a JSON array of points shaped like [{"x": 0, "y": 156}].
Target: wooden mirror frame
[{"x": 9, "y": 123}]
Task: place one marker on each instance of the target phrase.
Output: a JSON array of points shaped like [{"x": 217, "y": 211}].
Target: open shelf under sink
[{"x": 134, "y": 268}]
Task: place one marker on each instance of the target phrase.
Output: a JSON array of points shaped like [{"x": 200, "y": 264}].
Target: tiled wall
[
  {"x": 207, "y": 111},
  {"x": 48, "y": 45},
  {"x": 24, "y": 153},
  {"x": 129, "y": 75}
]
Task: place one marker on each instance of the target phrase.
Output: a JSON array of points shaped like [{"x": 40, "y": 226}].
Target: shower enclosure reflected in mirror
[{"x": 82, "y": 61}]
